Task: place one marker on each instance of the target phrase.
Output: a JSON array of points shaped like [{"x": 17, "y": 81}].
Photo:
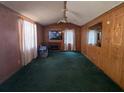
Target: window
[
  {"x": 94, "y": 35},
  {"x": 69, "y": 40},
  {"x": 28, "y": 41},
  {"x": 69, "y": 37}
]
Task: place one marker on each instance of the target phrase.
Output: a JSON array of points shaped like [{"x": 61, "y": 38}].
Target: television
[{"x": 55, "y": 35}]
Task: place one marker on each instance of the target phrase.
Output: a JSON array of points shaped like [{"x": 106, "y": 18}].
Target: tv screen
[{"x": 55, "y": 35}]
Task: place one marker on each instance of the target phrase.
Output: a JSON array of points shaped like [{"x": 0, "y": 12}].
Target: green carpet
[{"x": 61, "y": 71}]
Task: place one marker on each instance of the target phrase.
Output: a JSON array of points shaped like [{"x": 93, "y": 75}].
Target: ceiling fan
[
  {"x": 65, "y": 18},
  {"x": 66, "y": 12}
]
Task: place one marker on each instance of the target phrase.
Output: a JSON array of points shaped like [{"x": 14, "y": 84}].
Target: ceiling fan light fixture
[{"x": 64, "y": 19}]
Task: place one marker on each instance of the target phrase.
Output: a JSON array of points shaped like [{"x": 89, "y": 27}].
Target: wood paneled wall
[
  {"x": 110, "y": 56},
  {"x": 62, "y": 27}
]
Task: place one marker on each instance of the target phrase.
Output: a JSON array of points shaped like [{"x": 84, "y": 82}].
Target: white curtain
[
  {"x": 92, "y": 37},
  {"x": 28, "y": 41},
  {"x": 69, "y": 40}
]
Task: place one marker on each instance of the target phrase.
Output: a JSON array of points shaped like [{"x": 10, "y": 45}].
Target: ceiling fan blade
[{"x": 74, "y": 14}]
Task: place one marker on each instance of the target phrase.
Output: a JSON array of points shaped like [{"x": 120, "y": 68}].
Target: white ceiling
[{"x": 48, "y": 12}]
